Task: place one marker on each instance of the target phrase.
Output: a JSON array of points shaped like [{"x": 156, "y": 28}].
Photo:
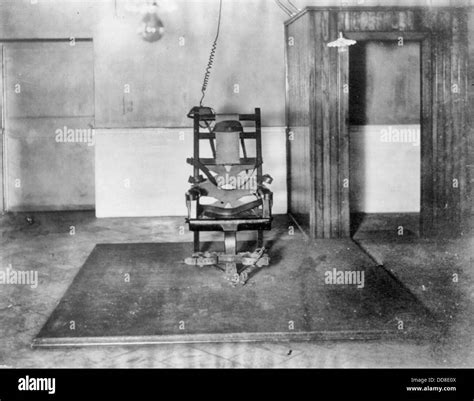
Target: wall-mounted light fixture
[{"x": 342, "y": 43}]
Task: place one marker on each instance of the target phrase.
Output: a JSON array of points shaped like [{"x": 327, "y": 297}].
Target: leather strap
[
  {"x": 203, "y": 168},
  {"x": 231, "y": 212}
]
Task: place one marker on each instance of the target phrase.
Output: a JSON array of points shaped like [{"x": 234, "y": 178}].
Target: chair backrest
[{"x": 227, "y": 141}]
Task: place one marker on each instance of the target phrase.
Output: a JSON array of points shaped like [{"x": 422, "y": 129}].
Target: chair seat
[{"x": 236, "y": 224}]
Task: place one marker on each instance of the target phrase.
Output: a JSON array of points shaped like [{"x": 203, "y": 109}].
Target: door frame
[{"x": 426, "y": 114}]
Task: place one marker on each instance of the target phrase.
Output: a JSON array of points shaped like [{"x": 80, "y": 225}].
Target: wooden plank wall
[
  {"x": 471, "y": 108},
  {"x": 449, "y": 57},
  {"x": 299, "y": 54},
  {"x": 445, "y": 184},
  {"x": 330, "y": 136}
]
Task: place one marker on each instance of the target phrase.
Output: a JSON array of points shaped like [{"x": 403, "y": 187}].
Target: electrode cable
[{"x": 212, "y": 56}]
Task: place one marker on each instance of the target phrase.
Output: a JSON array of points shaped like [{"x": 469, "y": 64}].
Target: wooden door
[{"x": 48, "y": 92}]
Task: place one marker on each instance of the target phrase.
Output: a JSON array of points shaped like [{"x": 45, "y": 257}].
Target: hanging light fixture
[
  {"x": 342, "y": 43},
  {"x": 151, "y": 28}
]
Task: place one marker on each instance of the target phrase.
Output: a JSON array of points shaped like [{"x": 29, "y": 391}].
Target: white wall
[
  {"x": 143, "y": 172},
  {"x": 385, "y": 168}
]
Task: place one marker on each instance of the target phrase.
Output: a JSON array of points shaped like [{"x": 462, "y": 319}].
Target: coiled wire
[{"x": 212, "y": 56}]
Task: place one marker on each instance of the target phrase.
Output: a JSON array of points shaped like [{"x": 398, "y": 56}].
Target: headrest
[
  {"x": 228, "y": 126},
  {"x": 227, "y": 142}
]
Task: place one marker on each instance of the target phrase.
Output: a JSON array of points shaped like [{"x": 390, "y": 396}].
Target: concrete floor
[{"x": 57, "y": 244}]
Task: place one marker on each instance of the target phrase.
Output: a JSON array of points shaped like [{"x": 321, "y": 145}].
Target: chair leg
[
  {"x": 259, "y": 238},
  {"x": 230, "y": 242},
  {"x": 196, "y": 241}
]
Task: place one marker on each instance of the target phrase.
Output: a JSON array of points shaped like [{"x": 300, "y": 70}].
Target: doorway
[
  {"x": 47, "y": 125},
  {"x": 385, "y": 137}
]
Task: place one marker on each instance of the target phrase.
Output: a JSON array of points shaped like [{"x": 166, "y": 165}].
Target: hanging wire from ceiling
[
  {"x": 212, "y": 56},
  {"x": 297, "y": 10},
  {"x": 284, "y": 8}
]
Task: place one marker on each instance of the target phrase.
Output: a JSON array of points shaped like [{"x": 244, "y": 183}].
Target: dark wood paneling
[
  {"x": 2, "y": 139},
  {"x": 470, "y": 119},
  {"x": 333, "y": 128},
  {"x": 456, "y": 143},
  {"x": 449, "y": 180},
  {"x": 461, "y": 120},
  {"x": 324, "y": 72},
  {"x": 445, "y": 161},
  {"x": 439, "y": 184},
  {"x": 444, "y": 142},
  {"x": 427, "y": 140},
  {"x": 300, "y": 56},
  {"x": 316, "y": 127}
]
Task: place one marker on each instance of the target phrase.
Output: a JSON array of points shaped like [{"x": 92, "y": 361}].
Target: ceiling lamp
[{"x": 151, "y": 28}]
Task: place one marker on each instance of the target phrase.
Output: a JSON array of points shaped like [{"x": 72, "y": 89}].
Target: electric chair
[{"x": 229, "y": 192}]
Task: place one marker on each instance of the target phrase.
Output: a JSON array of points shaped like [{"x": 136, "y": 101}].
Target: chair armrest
[
  {"x": 192, "y": 202},
  {"x": 267, "y": 201},
  {"x": 193, "y": 193},
  {"x": 264, "y": 192}
]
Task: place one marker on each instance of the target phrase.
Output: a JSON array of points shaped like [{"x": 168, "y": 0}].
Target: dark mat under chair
[{"x": 144, "y": 293}]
